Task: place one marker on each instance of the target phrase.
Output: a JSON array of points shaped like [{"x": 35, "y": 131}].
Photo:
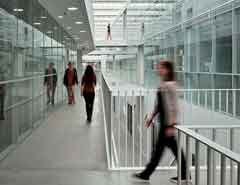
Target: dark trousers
[
  {"x": 89, "y": 100},
  {"x": 163, "y": 142},
  {"x": 2, "y": 97},
  {"x": 51, "y": 93}
]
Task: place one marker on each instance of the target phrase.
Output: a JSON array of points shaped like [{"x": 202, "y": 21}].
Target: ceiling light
[
  {"x": 60, "y": 17},
  {"x": 18, "y": 10},
  {"x": 43, "y": 17},
  {"x": 72, "y": 8},
  {"x": 78, "y": 22},
  {"x": 37, "y": 23},
  {"x": 82, "y": 31},
  {"x": 69, "y": 27}
]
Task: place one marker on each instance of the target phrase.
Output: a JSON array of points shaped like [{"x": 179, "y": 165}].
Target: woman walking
[
  {"x": 70, "y": 80},
  {"x": 167, "y": 108},
  {"x": 88, "y": 85}
]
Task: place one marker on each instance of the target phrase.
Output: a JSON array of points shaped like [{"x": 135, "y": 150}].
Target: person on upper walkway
[{"x": 70, "y": 80}]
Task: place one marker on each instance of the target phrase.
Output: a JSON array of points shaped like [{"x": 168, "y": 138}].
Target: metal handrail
[
  {"x": 24, "y": 79},
  {"x": 210, "y": 126},
  {"x": 218, "y": 148},
  {"x": 144, "y": 90}
]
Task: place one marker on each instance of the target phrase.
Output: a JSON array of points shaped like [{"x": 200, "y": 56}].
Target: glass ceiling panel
[{"x": 138, "y": 12}]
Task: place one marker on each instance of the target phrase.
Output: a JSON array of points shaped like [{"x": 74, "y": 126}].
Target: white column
[
  {"x": 198, "y": 48},
  {"x": 125, "y": 25},
  {"x": 234, "y": 59},
  {"x": 214, "y": 52},
  {"x": 79, "y": 60},
  {"x": 142, "y": 33},
  {"x": 214, "y": 45},
  {"x": 103, "y": 64},
  {"x": 114, "y": 64},
  {"x": 67, "y": 56},
  {"x": 140, "y": 64}
]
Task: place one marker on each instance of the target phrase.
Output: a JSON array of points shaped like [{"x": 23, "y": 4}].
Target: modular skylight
[
  {"x": 72, "y": 8},
  {"x": 18, "y": 10}
]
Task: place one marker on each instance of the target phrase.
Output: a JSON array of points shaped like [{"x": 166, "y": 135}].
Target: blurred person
[
  {"x": 2, "y": 93},
  {"x": 50, "y": 80},
  {"x": 109, "y": 35},
  {"x": 88, "y": 85},
  {"x": 2, "y": 101},
  {"x": 70, "y": 80},
  {"x": 166, "y": 107}
]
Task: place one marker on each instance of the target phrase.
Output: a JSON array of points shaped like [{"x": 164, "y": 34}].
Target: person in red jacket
[{"x": 70, "y": 80}]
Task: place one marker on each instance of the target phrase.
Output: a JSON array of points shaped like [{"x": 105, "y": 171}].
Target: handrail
[
  {"x": 210, "y": 126},
  {"x": 24, "y": 79},
  {"x": 144, "y": 90},
  {"x": 214, "y": 146}
]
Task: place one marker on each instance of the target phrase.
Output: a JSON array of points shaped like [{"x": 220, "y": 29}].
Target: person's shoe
[
  {"x": 183, "y": 180},
  {"x": 140, "y": 177},
  {"x": 89, "y": 120}
]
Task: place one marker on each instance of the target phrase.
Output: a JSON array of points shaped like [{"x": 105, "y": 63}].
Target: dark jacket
[
  {"x": 162, "y": 116},
  {"x": 89, "y": 83},
  {"x": 65, "y": 79},
  {"x": 54, "y": 77}
]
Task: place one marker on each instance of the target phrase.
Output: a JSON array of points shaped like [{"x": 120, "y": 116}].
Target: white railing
[{"x": 209, "y": 122}]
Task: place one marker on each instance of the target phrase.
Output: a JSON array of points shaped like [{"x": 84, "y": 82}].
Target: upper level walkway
[{"x": 115, "y": 44}]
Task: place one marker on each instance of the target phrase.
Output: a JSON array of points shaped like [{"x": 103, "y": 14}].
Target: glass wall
[
  {"x": 205, "y": 52},
  {"x": 30, "y": 40}
]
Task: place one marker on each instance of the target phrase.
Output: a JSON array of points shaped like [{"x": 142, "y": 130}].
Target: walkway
[{"x": 67, "y": 151}]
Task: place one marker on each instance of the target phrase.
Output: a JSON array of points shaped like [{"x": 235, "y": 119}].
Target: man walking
[{"x": 50, "y": 81}]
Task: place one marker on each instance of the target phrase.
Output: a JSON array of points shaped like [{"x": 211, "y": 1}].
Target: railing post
[
  {"x": 220, "y": 100},
  {"x": 223, "y": 170},
  {"x": 140, "y": 127},
  {"x": 238, "y": 174},
  {"x": 126, "y": 131},
  {"x": 213, "y": 100},
  {"x": 227, "y": 100},
  {"x": 231, "y": 162},
  {"x": 234, "y": 103},
  {"x": 214, "y": 159},
  {"x": 179, "y": 158},
  {"x": 198, "y": 93},
  {"x": 209, "y": 166},
  {"x": 188, "y": 158},
  {"x": 111, "y": 131},
  {"x": 205, "y": 99},
  {"x": 133, "y": 130},
  {"x": 197, "y": 165},
  {"x": 119, "y": 128}
]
